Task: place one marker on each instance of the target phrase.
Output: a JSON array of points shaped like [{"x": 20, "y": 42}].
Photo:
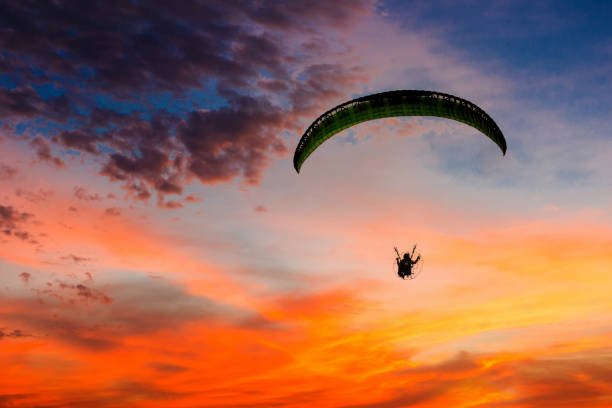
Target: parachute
[{"x": 390, "y": 104}]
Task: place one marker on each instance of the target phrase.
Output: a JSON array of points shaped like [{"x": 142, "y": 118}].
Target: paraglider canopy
[{"x": 390, "y": 104}]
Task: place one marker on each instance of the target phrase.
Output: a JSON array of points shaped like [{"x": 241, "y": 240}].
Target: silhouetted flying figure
[{"x": 405, "y": 264}]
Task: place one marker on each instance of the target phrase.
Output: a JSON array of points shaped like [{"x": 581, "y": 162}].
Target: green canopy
[{"x": 390, "y": 104}]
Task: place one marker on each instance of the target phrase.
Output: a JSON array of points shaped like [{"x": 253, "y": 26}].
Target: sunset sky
[{"x": 157, "y": 248}]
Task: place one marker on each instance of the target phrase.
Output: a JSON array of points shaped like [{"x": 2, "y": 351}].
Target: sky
[{"x": 157, "y": 248}]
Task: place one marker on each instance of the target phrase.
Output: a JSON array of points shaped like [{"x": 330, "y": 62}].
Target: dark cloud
[
  {"x": 193, "y": 198},
  {"x": 43, "y": 151},
  {"x": 138, "y": 190},
  {"x": 152, "y": 304},
  {"x": 231, "y": 142},
  {"x": 82, "y": 194},
  {"x": 12, "y": 222},
  {"x": 25, "y": 277},
  {"x": 12, "y": 334},
  {"x": 114, "y": 392},
  {"x": 77, "y": 313},
  {"x": 68, "y": 57},
  {"x": 72, "y": 293},
  {"x": 126, "y": 390},
  {"x": 410, "y": 397},
  {"x": 170, "y": 204},
  {"x": 273, "y": 85},
  {"x": 20, "y": 102},
  {"x": 76, "y": 259},
  {"x": 13, "y": 400},
  {"x": 261, "y": 208},
  {"x": 35, "y": 197},
  {"x": 78, "y": 140},
  {"x": 112, "y": 212},
  {"x": 85, "y": 292},
  {"x": 299, "y": 15},
  {"x": 24, "y": 236},
  {"x": 152, "y": 167},
  {"x": 7, "y": 172},
  {"x": 321, "y": 82},
  {"x": 122, "y": 44},
  {"x": 259, "y": 399},
  {"x": 166, "y": 368}
]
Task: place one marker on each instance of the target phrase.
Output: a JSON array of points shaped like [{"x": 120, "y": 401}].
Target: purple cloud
[
  {"x": 77, "y": 313},
  {"x": 83, "y": 195},
  {"x": 67, "y": 57},
  {"x": 76, "y": 259},
  {"x": 13, "y": 334},
  {"x": 25, "y": 277},
  {"x": 7, "y": 172},
  {"x": 12, "y": 222},
  {"x": 112, "y": 212}
]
